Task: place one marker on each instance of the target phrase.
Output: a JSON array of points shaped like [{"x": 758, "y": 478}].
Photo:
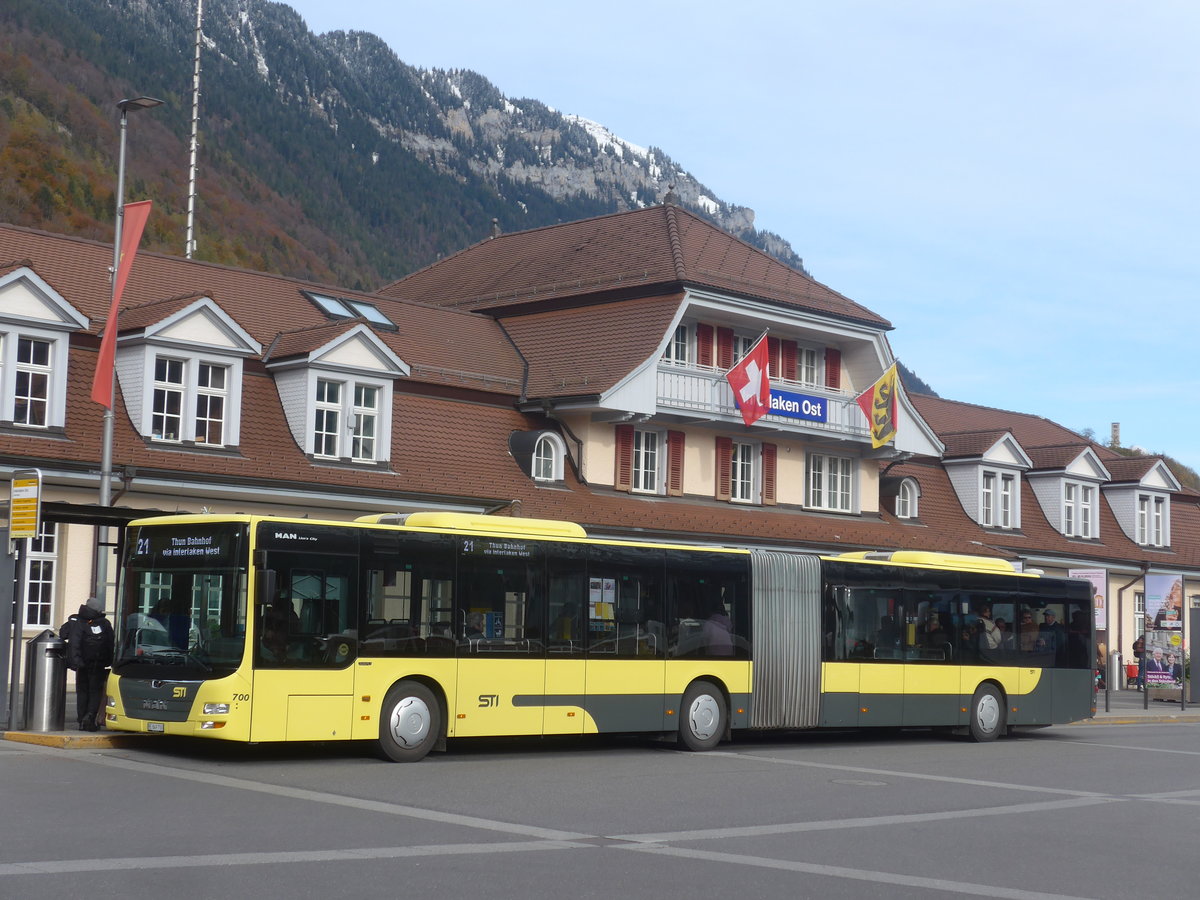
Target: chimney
[
  {"x": 495, "y": 228},
  {"x": 1115, "y": 440}
]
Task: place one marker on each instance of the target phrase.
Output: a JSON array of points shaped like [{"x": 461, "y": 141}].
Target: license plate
[{"x": 155, "y": 726}]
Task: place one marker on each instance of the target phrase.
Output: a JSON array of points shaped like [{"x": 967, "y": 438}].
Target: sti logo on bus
[{"x": 486, "y": 700}]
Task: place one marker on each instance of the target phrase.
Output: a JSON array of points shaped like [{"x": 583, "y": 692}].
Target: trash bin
[{"x": 46, "y": 683}]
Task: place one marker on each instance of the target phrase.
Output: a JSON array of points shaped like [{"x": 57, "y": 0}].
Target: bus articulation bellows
[{"x": 409, "y": 630}]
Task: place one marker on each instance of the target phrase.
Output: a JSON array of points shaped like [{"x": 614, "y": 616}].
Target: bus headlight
[
  {"x": 216, "y": 709},
  {"x": 110, "y": 701}
]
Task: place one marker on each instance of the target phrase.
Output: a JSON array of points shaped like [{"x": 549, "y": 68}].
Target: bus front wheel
[
  {"x": 410, "y": 723},
  {"x": 703, "y": 717},
  {"x": 987, "y": 713}
]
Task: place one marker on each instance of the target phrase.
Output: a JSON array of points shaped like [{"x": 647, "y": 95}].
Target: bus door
[
  {"x": 626, "y": 656},
  {"x": 498, "y": 627},
  {"x": 931, "y": 680},
  {"x": 566, "y": 579},
  {"x": 880, "y": 613},
  {"x": 305, "y": 639}
]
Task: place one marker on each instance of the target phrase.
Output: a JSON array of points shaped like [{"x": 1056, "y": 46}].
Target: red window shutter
[
  {"x": 774, "y": 354},
  {"x": 833, "y": 368},
  {"x": 770, "y": 455},
  {"x": 675, "y": 463},
  {"x": 724, "y": 467},
  {"x": 724, "y": 348},
  {"x": 704, "y": 345},
  {"x": 624, "y": 475},
  {"x": 790, "y": 356}
]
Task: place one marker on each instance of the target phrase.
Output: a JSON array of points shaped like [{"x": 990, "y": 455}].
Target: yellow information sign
[{"x": 25, "y": 504}]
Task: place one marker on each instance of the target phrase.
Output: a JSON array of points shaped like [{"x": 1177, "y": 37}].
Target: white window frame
[
  {"x": 742, "y": 344},
  {"x": 808, "y": 366},
  {"x": 908, "y": 497},
  {"x": 194, "y": 398},
  {"x": 821, "y": 491},
  {"x": 1079, "y": 511},
  {"x": 648, "y": 461},
  {"x": 349, "y": 434},
  {"x": 549, "y": 454},
  {"x": 41, "y": 571},
  {"x": 208, "y": 397},
  {"x": 54, "y": 370},
  {"x": 364, "y": 424},
  {"x": 1153, "y": 520},
  {"x": 999, "y": 499},
  {"x": 165, "y": 389},
  {"x": 745, "y": 472},
  {"x": 323, "y": 433},
  {"x": 678, "y": 351}
]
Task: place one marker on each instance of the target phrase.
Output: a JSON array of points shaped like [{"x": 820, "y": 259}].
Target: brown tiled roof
[
  {"x": 133, "y": 318},
  {"x": 639, "y": 251},
  {"x": 969, "y": 443},
  {"x": 1054, "y": 457},
  {"x": 952, "y": 416},
  {"x": 305, "y": 340},
  {"x": 1131, "y": 468},
  {"x": 572, "y": 352},
  {"x": 442, "y": 345}
]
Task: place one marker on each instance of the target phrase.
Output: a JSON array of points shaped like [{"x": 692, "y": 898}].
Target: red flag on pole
[
  {"x": 135, "y": 215},
  {"x": 751, "y": 386}
]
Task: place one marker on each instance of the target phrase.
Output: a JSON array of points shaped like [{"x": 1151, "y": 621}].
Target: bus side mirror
[{"x": 268, "y": 582}]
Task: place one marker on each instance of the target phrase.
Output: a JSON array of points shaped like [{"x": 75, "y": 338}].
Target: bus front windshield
[{"x": 182, "y": 608}]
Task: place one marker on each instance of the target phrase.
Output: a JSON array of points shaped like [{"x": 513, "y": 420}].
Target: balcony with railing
[{"x": 706, "y": 394}]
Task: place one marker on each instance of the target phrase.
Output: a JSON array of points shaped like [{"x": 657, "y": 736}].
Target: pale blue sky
[{"x": 1011, "y": 182}]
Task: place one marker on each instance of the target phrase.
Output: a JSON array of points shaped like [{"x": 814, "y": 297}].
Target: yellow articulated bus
[{"x": 409, "y": 630}]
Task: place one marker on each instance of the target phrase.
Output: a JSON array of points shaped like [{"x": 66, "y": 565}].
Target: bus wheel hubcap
[
  {"x": 704, "y": 716},
  {"x": 987, "y": 713},
  {"x": 409, "y": 722}
]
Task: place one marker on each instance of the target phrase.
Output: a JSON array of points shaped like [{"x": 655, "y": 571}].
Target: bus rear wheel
[
  {"x": 703, "y": 717},
  {"x": 410, "y": 723},
  {"x": 987, "y": 714}
]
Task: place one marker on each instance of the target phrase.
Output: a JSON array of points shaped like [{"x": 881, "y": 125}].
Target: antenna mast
[{"x": 189, "y": 246}]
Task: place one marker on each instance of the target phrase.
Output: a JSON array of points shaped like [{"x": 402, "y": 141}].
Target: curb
[
  {"x": 72, "y": 741},
  {"x": 1185, "y": 719}
]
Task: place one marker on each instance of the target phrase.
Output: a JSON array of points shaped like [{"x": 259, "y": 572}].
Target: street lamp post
[{"x": 106, "y": 446}]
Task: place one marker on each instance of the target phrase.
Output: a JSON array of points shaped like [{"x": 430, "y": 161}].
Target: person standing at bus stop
[{"x": 89, "y": 637}]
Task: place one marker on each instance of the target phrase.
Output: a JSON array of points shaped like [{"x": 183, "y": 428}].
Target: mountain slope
[{"x": 321, "y": 157}]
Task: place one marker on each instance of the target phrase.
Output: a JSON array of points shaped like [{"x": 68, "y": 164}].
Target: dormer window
[
  {"x": 548, "y": 456},
  {"x": 907, "y": 498},
  {"x": 35, "y": 327},
  {"x": 31, "y": 394},
  {"x": 346, "y": 420},
  {"x": 336, "y": 385},
  {"x": 1152, "y": 529},
  {"x": 181, "y": 374},
  {"x": 997, "y": 507},
  {"x": 1079, "y": 509},
  {"x": 189, "y": 400}
]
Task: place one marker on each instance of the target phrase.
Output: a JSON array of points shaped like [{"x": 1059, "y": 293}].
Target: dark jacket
[{"x": 89, "y": 637}]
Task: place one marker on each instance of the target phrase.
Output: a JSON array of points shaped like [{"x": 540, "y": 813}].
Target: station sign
[
  {"x": 25, "y": 504},
  {"x": 799, "y": 406}
]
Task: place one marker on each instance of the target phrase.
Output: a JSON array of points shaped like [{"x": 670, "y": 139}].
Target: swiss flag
[{"x": 751, "y": 387}]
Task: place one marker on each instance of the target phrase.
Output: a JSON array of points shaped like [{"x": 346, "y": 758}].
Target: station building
[{"x": 573, "y": 372}]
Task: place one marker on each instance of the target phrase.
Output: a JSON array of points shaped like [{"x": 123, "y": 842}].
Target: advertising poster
[
  {"x": 1164, "y": 602},
  {"x": 1164, "y": 659},
  {"x": 1099, "y": 580}
]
